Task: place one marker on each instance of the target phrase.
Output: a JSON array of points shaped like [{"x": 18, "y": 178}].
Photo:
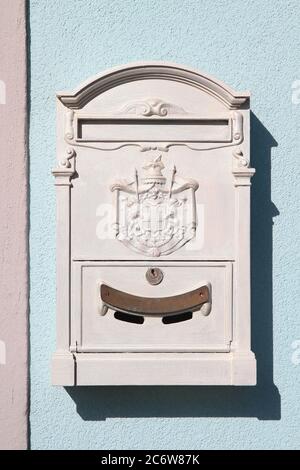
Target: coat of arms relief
[{"x": 156, "y": 214}]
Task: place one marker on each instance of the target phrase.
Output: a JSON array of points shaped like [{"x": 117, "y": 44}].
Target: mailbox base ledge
[
  {"x": 154, "y": 369},
  {"x": 63, "y": 369}
]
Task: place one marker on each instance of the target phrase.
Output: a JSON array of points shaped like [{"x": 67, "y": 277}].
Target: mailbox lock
[{"x": 154, "y": 276}]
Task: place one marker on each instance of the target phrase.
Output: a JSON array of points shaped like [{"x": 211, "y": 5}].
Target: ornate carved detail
[
  {"x": 241, "y": 169},
  {"x": 70, "y": 153},
  {"x": 146, "y": 147},
  {"x": 66, "y": 170},
  {"x": 69, "y": 130},
  {"x": 151, "y": 107},
  {"x": 237, "y": 128},
  {"x": 241, "y": 160},
  {"x": 159, "y": 148},
  {"x": 155, "y": 216}
]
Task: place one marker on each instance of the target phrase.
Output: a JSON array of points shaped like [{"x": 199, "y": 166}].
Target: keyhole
[{"x": 154, "y": 276}]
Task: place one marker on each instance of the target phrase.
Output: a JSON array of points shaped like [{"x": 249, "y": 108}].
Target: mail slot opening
[
  {"x": 129, "y": 318},
  {"x": 139, "y": 320},
  {"x": 189, "y": 129},
  {"x": 177, "y": 318}
]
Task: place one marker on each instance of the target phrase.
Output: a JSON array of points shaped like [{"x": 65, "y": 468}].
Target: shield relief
[{"x": 155, "y": 215}]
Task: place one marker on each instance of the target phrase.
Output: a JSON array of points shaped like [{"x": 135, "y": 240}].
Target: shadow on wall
[{"x": 262, "y": 401}]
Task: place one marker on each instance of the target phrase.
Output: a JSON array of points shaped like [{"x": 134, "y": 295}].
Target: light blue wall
[{"x": 249, "y": 45}]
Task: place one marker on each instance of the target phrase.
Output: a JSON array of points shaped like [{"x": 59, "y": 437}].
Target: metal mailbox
[{"x": 153, "y": 230}]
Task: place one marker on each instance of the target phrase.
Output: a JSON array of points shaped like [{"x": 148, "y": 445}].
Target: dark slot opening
[
  {"x": 152, "y": 122},
  {"x": 177, "y": 318},
  {"x": 129, "y": 318}
]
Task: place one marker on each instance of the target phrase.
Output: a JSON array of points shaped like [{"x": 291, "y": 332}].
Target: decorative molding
[
  {"x": 243, "y": 178},
  {"x": 147, "y": 71},
  {"x": 159, "y": 148},
  {"x": 151, "y": 107},
  {"x": 66, "y": 162},
  {"x": 155, "y": 217},
  {"x": 66, "y": 169},
  {"x": 237, "y": 127},
  {"x": 145, "y": 147},
  {"x": 69, "y": 128},
  {"x": 242, "y": 161},
  {"x": 241, "y": 168}
]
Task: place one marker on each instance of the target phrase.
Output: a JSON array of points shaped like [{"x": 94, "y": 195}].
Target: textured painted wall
[
  {"x": 250, "y": 45},
  {"x": 13, "y": 227}
]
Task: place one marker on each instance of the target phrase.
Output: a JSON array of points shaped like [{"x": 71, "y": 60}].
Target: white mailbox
[{"x": 153, "y": 230}]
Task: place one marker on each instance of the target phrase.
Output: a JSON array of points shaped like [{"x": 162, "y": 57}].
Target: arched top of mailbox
[{"x": 116, "y": 76}]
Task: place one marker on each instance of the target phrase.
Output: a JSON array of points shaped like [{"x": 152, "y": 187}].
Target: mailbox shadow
[{"x": 261, "y": 401}]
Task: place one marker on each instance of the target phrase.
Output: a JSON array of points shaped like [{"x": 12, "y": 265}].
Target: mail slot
[{"x": 153, "y": 230}]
